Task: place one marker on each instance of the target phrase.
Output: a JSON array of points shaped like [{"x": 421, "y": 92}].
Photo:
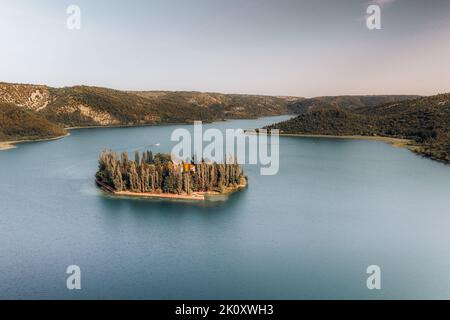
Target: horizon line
[{"x": 221, "y": 92}]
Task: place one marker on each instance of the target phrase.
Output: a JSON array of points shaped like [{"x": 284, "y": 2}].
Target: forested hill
[
  {"x": 39, "y": 111},
  {"x": 20, "y": 124},
  {"x": 83, "y": 106},
  {"x": 425, "y": 120},
  {"x": 344, "y": 102}
]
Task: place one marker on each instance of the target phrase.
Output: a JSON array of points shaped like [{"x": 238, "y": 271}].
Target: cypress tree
[
  {"x": 118, "y": 181},
  {"x": 136, "y": 157}
]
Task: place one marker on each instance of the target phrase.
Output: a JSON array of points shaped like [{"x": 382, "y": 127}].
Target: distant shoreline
[
  {"x": 169, "y": 123},
  {"x": 112, "y": 126},
  {"x": 7, "y": 145},
  {"x": 11, "y": 144},
  {"x": 397, "y": 142}
]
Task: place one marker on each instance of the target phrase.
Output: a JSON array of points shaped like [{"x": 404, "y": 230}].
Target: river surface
[{"x": 309, "y": 232}]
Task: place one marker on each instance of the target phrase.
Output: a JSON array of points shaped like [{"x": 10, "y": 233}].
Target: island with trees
[{"x": 157, "y": 176}]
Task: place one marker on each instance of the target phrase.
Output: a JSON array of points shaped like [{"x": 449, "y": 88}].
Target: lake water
[{"x": 334, "y": 208}]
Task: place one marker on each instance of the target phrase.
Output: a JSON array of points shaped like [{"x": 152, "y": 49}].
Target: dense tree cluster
[{"x": 158, "y": 174}]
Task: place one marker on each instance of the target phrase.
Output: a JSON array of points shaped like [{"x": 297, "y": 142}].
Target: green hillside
[
  {"x": 344, "y": 102},
  {"x": 20, "y": 124},
  {"x": 425, "y": 120},
  {"x": 83, "y": 106}
]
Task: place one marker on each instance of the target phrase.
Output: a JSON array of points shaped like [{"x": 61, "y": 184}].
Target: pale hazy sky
[{"x": 279, "y": 47}]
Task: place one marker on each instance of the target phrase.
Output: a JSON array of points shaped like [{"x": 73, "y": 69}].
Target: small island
[{"x": 157, "y": 176}]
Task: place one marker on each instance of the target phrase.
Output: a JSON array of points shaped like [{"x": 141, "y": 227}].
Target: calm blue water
[{"x": 336, "y": 207}]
